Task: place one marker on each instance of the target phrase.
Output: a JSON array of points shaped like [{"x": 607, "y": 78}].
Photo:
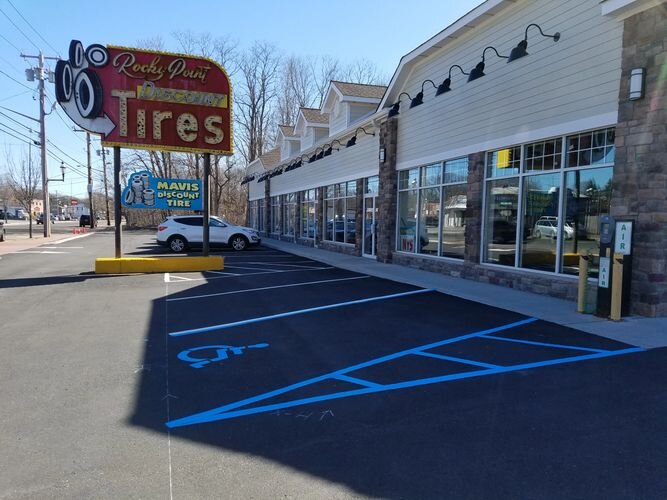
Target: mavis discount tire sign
[{"x": 147, "y": 100}]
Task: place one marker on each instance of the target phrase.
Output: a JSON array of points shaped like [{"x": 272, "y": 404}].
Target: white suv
[{"x": 183, "y": 231}]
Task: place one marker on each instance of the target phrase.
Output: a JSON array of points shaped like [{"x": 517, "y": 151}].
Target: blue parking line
[
  {"x": 358, "y": 381},
  {"x": 457, "y": 360},
  {"x": 295, "y": 313},
  {"x": 545, "y": 344},
  {"x": 220, "y": 414},
  {"x": 359, "y": 366}
]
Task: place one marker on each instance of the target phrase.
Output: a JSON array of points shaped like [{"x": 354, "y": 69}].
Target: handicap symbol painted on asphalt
[{"x": 221, "y": 353}]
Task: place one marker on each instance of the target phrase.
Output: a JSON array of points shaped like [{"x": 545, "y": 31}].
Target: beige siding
[
  {"x": 573, "y": 80},
  {"x": 361, "y": 160}
]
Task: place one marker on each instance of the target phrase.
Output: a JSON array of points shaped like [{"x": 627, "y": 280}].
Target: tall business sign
[{"x": 143, "y": 99}]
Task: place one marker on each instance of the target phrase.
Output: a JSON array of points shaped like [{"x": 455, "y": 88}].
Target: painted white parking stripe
[
  {"x": 37, "y": 251},
  {"x": 277, "y": 264},
  {"x": 223, "y": 326},
  {"x": 266, "y": 288},
  {"x": 166, "y": 277},
  {"x": 73, "y": 238},
  {"x": 255, "y": 274},
  {"x": 58, "y": 248},
  {"x": 223, "y": 273}
]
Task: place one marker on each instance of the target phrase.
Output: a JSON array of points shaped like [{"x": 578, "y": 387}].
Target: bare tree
[
  {"x": 297, "y": 89},
  {"x": 364, "y": 71},
  {"x": 151, "y": 43},
  {"x": 23, "y": 181},
  {"x": 327, "y": 69},
  {"x": 255, "y": 99}
]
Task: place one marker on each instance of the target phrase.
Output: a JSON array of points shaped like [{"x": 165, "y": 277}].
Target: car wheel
[
  {"x": 238, "y": 242},
  {"x": 538, "y": 234},
  {"x": 177, "y": 244}
]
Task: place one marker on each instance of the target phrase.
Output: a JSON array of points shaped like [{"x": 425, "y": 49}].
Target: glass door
[{"x": 370, "y": 226}]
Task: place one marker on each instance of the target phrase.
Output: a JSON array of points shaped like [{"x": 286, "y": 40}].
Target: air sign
[{"x": 147, "y": 100}]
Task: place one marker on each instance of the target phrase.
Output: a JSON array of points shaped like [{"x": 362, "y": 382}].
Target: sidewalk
[
  {"x": 20, "y": 243},
  {"x": 634, "y": 330}
]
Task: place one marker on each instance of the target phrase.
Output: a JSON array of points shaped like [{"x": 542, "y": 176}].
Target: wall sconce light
[
  {"x": 353, "y": 139},
  {"x": 313, "y": 158},
  {"x": 445, "y": 85},
  {"x": 478, "y": 71},
  {"x": 328, "y": 151},
  {"x": 397, "y": 105},
  {"x": 419, "y": 98},
  {"x": 320, "y": 155},
  {"x": 637, "y": 83},
  {"x": 520, "y": 50},
  {"x": 382, "y": 154}
]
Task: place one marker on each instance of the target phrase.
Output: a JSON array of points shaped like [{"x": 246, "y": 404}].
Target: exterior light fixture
[
  {"x": 328, "y": 151},
  {"x": 637, "y": 83},
  {"x": 313, "y": 158},
  {"x": 520, "y": 50},
  {"x": 478, "y": 71},
  {"x": 382, "y": 155},
  {"x": 419, "y": 98},
  {"x": 320, "y": 155},
  {"x": 353, "y": 139},
  {"x": 397, "y": 105},
  {"x": 445, "y": 85}
]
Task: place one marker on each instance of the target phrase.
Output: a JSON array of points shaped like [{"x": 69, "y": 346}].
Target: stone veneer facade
[{"x": 639, "y": 190}]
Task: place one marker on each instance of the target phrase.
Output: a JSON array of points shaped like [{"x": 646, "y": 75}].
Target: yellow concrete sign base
[{"x": 158, "y": 264}]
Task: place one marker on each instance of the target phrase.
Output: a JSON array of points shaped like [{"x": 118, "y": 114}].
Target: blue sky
[{"x": 377, "y": 30}]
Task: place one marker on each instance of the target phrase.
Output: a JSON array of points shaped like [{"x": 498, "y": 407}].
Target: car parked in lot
[
  {"x": 181, "y": 232},
  {"x": 40, "y": 218}
]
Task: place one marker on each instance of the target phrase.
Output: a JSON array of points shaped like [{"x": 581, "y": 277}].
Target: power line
[
  {"x": 16, "y": 121},
  {"x": 68, "y": 156},
  {"x": 68, "y": 125},
  {"x": 16, "y": 95},
  {"x": 15, "y": 80},
  {"x": 19, "y": 30},
  {"x": 9, "y": 64},
  {"x": 19, "y": 133},
  {"x": 16, "y": 137},
  {"x": 10, "y": 43},
  {"x": 32, "y": 28}
]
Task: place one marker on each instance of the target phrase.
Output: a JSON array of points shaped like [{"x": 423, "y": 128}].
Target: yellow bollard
[
  {"x": 583, "y": 283},
  {"x": 616, "y": 288}
]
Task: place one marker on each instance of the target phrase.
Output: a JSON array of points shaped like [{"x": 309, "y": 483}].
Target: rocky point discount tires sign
[{"x": 147, "y": 100}]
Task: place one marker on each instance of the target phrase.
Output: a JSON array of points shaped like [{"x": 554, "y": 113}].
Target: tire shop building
[{"x": 494, "y": 152}]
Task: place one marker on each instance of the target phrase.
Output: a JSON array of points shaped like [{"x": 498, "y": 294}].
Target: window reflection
[
  {"x": 540, "y": 221},
  {"x": 502, "y": 203},
  {"x": 453, "y": 220}
]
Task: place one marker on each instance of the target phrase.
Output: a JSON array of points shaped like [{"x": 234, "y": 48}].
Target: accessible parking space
[{"x": 390, "y": 389}]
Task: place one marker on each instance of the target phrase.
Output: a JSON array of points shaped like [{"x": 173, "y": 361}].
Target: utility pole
[
  {"x": 106, "y": 185},
  {"x": 90, "y": 183},
  {"x": 41, "y": 75}
]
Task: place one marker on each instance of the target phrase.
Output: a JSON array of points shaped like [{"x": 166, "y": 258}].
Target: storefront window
[
  {"x": 289, "y": 214},
  {"x": 588, "y": 195},
  {"x": 260, "y": 215},
  {"x": 372, "y": 185},
  {"x": 340, "y": 216},
  {"x": 308, "y": 213},
  {"x": 502, "y": 208},
  {"x": 432, "y": 203},
  {"x": 562, "y": 194},
  {"x": 275, "y": 214}
]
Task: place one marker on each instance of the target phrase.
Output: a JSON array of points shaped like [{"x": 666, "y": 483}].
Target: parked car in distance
[
  {"x": 40, "y": 218},
  {"x": 84, "y": 220},
  {"x": 181, "y": 232},
  {"x": 547, "y": 226},
  {"x": 2, "y": 231}
]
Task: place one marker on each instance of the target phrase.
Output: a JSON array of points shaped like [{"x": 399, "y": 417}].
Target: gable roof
[
  {"x": 271, "y": 158},
  {"x": 360, "y": 89},
  {"x": 313, "y": 115},
  {"x": 287, "y": 131}
]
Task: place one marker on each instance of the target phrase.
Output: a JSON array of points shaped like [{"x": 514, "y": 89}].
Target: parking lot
[{"x": 285, "y": 376}]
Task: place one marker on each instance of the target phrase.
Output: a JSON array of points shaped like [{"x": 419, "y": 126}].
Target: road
[{"x": 284, "y": 377}]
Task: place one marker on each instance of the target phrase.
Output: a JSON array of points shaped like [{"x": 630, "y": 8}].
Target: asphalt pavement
[{"x": 286, "y": 376}]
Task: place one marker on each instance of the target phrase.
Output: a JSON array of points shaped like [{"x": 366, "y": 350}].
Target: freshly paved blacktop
[
  {"x": 636, "y": 330},
  {"x": 285, "y": 376}
]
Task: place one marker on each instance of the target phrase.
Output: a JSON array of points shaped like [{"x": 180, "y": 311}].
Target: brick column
[
  {"x": 358, "y": 228},
  {"x": 474, "y": 215},
  {"x": 281, "y": 214},
  {"x": 388, "y": 189},
  {"x": 297, "y": 214},
  {"x": 639, "y": 190}
]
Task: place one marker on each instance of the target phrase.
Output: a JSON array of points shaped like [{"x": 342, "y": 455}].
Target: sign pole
[
  {"x": 116, "y": 199},
  {"x": 207, "y": 204}
]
